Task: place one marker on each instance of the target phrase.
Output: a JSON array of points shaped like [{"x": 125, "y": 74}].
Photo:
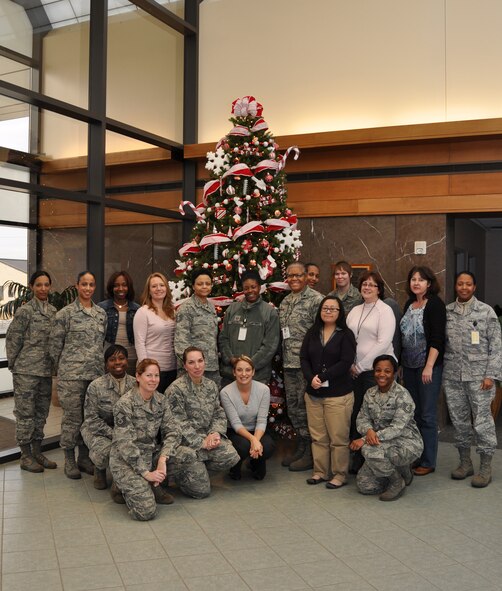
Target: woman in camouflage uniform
[
  {"x": 138, "y": 463},
  {"x": 391, "y": 440},
  {"x": 27, "y": 344},
  {"x": 473, "y": 361},
  {"x": 76, "y": 347},
  {"x": 197, "y": 322},
  {"x": 101, "y": 396}
]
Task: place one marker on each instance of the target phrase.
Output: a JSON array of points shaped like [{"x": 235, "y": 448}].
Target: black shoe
[
  {"x": 315, "y": 480},
  {"x": 235, "y": 472},
  {"x": 258, "y": 469}
]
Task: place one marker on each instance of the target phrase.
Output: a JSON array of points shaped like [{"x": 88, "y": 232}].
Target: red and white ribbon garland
[
  {"x": 212, "y": 239},
  {"x": 247, "y": 229}
]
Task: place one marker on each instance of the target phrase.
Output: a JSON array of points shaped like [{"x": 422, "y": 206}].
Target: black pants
[
  {"x": 242, "y": 446},
  {"x": 363, "y": 381}
]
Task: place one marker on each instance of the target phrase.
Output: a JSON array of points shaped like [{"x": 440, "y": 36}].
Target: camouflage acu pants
[
  {"x": 470, "y": 412},
  {"x": 381, "y": 462},
  {"x": 137, "y": 492},
  {"x": 71, "y": 395},
  {"x": 295, "y": 386},
  {"x": 32, "y": 400},
  {"x": 191, "y": 471},
  {"x": 99, "y": 451}
]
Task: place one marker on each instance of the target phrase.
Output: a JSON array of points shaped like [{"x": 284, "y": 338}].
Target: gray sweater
[{"x": 252, "y": 415}]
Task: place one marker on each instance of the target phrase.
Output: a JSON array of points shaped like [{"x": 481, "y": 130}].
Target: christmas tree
[{"x": 243, "y": 221}]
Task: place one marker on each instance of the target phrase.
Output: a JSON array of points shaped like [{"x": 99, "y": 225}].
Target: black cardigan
[
  {"x": 434, "y": 324},
  {"x": 331, "y": 362}
]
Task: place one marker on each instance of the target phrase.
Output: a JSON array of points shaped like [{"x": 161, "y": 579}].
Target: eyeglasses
[
  {"x": 329, "y": 310},
  {"x": 295, "y": 275},
  {"x": 366, "y": 284}
]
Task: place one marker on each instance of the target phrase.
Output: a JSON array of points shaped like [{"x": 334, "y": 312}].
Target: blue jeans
[{"x": 425, "y": 397}]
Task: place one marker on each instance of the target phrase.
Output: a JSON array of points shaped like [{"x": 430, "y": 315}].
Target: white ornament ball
[
  {"x": 209, "y": 210},
  {"x": 215, "y": 265},
  {"x": 206, "y": 265},
  {"x": 271, "y": 420},
  {"x": 276, "y": 249},
  {"x": 255, "y": 249},
  {"x": 248, "y": 197},
  {"x": 236, "y": 257},
  {"x": 265, "y": 144},
  {"x": 217, "y": 204},
  {"x": 225, "y": 262},
  {"x": 236, "y": 150},
  {"x": 225, "y": 201},
  {"x": 246, "y": 144}
]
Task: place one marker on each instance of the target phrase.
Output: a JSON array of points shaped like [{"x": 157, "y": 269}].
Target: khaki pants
[{"x": 329, "y": 426}]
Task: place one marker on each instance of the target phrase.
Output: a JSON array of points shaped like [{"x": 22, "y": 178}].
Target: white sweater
[{"x": 373, "y": 326}]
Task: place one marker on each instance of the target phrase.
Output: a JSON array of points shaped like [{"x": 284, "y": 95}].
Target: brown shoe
[
  {"x": 162, "y": 497},
  {"x": 423, "y": 470}
]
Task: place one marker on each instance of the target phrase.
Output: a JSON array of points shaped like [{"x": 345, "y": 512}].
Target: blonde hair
[
  {"x": 235, "y": 360},
  {"x": 167, "y": 304}
]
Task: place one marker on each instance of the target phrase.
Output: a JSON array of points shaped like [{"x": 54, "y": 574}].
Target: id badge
[
  {"x": 474, "y": 337},
  {"x": 285, "y": 332},
  {"x": 242, "y": 333},
  {"x": 325, "y": 384}
]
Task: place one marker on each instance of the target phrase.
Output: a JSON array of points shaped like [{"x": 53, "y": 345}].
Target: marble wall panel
[{"x": 385, "y": 242}]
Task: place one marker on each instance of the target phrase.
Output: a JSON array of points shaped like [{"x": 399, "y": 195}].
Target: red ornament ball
[
  {"x": 268, "y": 178},
  {"x": 252, "y": 263},
  {"x": 228, "y": 266}
]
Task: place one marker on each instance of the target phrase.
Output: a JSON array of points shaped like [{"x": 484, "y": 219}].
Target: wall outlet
[{"x": 421, "y": 247}]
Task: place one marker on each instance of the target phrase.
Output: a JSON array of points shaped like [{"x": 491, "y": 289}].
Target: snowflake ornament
[
  {"x": 289, "y": 239},
  {"x": 179, "y": 290},
  {"x": 218, "y": 162}
]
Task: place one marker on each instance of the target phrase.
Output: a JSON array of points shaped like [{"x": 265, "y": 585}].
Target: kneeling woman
[
  {"x": 137, "y": 462},
  {"x": 101, "y": 396},
  {"x": 392, "y": 440},
  {"x": 246, "y": 405},
  {"x": 202, "y": 423}
]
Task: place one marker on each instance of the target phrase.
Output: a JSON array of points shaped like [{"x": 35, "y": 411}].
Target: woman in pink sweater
[{"x": 154, "y": 325}]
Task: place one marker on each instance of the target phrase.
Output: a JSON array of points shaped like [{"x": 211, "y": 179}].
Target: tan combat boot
[
  {"x": 70, "y": 466},
  {"x": 395, "y": 489},
  {"x": 27, "y": 461},
  {"x": 484, "y": 476},
  {"x": 465, "y": 468},
  {"x": 36, "y": 447}
]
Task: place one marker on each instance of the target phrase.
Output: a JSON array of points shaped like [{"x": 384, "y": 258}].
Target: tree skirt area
[{"x": 7, "y": 433}]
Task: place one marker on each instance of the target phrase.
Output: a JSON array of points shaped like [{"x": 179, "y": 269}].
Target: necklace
[
  {"x": 361, "y": 319},
  {"x": 120, "y": 306}
]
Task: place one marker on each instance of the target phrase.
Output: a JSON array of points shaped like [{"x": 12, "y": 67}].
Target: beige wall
[
  {"x": 316, "y": 66},
  {"x": 145, "y": 82},
  {"x": 338, "y": 64}
]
